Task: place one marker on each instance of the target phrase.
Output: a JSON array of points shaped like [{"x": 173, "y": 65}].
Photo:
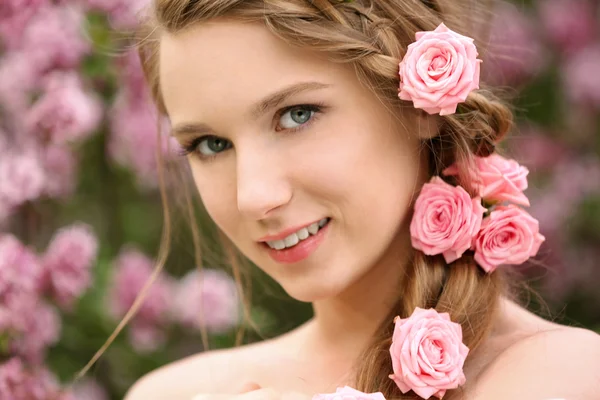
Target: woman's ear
[{"x": 428, "y": 126}]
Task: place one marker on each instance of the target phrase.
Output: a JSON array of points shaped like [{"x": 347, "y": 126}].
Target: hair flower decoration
[
  {"x": 439, "y": 70},
  {"x": 446, "y": 218},
  {"x": 509, "y": 235},
  {"x": 497, "y": 179},
  {"x": 348, "y": 393},
  {"x": 428, "y": 353}
]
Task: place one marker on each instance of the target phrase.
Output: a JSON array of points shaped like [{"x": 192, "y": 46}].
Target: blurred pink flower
[
  {"x": 581, "y": 79},
  {"x": 133, "y": 140},
  {"x": 18, "y": 78},
  {"x": 20, "y": 383},
  {"x": 67, "y": 263},
  {"x": 89, "y": 389},
  {"x": 208, "y": 298},
  {"x": 42, "y": 326},
  {"x": 14, "y": 16},
  {"x": 122, "y": 14},
  {"x": 569, "y": 24},
  {"x": 3, "y": 141},
  {"x": 60, "y": 166},
  {"x": 515, "y": 53},
  {"x": 131, "y": 76},
  {"x": 578, "y": 178},
  {"x": 6, "y": 211},
  {"x": 65, "y": 112},
  {"x": 20, "y": 270},
  {"x": 146, "y": 338},
  {"x": 21, "y": 177},
  {"x": 572, "y": 180},
  {"x": 537, "y": 150},
  {"x": 20, "y": 275},
  {"x": 55, "y": 38},
  {"x": 549, "y": 212},
  {"x": 131, "y": 271}
]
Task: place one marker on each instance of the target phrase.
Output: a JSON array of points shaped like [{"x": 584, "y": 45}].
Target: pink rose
[
  {"x": 497, "y": 179},
  {"x": 445, "y": 220},
  {"x": 347, "y": 393},
  {"x": 508, "y": 236},
  {"x": 428, "y": 353},
  {"x": 439, "y": 71}
]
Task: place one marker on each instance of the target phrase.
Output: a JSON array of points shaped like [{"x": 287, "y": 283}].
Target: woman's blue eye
[
  {"x": 296, "y": 116},
  {"x": 212, "y": 145}
]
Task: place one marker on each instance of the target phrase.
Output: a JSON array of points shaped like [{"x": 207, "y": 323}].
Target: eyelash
[{"x": 192, "y": 146}]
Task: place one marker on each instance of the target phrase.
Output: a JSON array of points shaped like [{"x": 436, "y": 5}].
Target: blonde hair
[{"x": 372, "y": 36}]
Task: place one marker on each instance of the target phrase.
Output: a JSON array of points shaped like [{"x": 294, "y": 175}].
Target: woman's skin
[{"x": 339, "y": 154}]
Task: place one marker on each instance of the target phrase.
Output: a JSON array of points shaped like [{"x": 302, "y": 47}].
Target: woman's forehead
[{"x": 234, "y": 63}]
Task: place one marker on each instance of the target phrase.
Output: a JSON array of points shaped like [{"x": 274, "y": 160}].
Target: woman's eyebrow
[
  {"x": 189, "y": 129},
  {"x": 278, "y": 97},
  {"x": 268, "y": 103}
]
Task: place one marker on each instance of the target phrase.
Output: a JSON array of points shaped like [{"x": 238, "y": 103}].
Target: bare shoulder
[
  {"x": 560, "y": 363},
  {"x": 214, "y": 371}
]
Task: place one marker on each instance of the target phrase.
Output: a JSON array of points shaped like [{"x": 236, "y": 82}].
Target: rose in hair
[
  {"x": 427, "y": 353},
  {"x": 496, "y": 178},
  {"x": 439, "y": 70},
  {"x": 509, "y": 235},
  {"x": 445, "y": 220},
  {"x": 347, "y": 393}
]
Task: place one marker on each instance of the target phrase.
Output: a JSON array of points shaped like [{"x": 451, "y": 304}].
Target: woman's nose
[{"x": 262, "y": 185}]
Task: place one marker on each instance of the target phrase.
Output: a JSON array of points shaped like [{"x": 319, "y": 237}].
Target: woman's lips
[{"x": 300, "y": 251}]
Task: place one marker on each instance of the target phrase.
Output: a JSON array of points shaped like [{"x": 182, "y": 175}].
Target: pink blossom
[
  {"x": 89, "y": 389},
  {"x": 67, "y": 263},
  {"x": 439, "y": 70},
  {"x": 146, "y": 338},
  {"x": 14, "y": 17},
  {"x": 20, "y": 275},
  {"x": 348, "y": 393},
  {"x": 132, "y": 269},
  {"x": 65, "y": 112},
  {"x": 60, "y": 165},
  {"x": 445, "y": 220},
  {"x": 428, "y": 353},
  {"x": 123, "y": 14},
  {"x": 207, "y": 298},
  {"x": 3, "y": 142},
  {"x": 570, "y": 24},
  {"x": 6, "y": 211},
  {"x": 496, "y": 179},
  {"x": 18, "y": 79},
  {"x": 55, "y": 38},
  {"x": 576, "y": 179},
  {"x": 509, "y": 235},
  {"x": 538, "y": 150},
  {"x": 581, "y": 79},
  {"x": 134, "y": 138},
  {"x": 41, "y": 328},
  {"x": 131, "y": 75},
  {"x": 20, "y": 270},
  {"x": 21, "y": 177},
  {"x": 571, "y": 181},
  {"x": 20, "y": 383},
  {"x": 515, "y": 53}
]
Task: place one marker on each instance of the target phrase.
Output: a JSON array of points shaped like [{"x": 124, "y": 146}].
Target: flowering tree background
[{"x": 80, "y": 212}]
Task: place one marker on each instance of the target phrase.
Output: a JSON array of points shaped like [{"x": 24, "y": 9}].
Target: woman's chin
[{"x": 312, "y": 292}]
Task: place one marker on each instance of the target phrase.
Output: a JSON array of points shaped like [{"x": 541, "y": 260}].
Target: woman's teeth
[{"x": 299, "y": 236}]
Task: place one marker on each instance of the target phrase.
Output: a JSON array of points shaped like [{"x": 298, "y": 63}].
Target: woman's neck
[{"x": 346, "y": 324}]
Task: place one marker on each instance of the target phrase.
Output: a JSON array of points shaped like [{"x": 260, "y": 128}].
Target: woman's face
[{"x": 280, "y": 139}]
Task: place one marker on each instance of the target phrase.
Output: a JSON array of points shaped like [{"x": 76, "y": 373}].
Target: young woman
[{"x": 347, "y": 149}]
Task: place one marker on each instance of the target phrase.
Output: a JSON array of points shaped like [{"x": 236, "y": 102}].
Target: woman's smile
[{"x": 289, "y": 248}]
